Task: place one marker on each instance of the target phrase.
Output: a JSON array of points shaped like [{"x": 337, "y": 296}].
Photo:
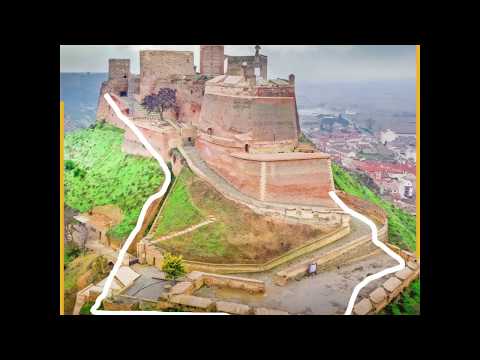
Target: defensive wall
[
  {"x": 256, "y": 119},
  {"x": 299, "y": 178},
  {"x": 163, "y": 64},
  {"x": 366, "y": 208},
  {"x": 151, "y": 254}
]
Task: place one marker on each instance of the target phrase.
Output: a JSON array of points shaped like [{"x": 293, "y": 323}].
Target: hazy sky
[{"x": 309, "y": 63}]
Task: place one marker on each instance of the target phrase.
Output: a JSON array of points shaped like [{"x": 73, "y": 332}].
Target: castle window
[
  {"x": 246, "y": 147},
  {"x": 210, "y": 131},
  {"x": 123, "y": 93},
  {"x": 124, "y": 76}
]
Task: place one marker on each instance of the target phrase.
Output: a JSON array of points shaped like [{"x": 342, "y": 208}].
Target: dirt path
[{"x": 183, "y": 232}]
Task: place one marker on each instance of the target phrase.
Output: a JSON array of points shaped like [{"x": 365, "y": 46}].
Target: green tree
[{"x": 173, "y": 266}]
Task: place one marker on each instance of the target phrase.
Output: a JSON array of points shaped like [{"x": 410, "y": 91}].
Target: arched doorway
[
  {"x": 210, "y": 131},
  {"x": 247, "y": 147}
]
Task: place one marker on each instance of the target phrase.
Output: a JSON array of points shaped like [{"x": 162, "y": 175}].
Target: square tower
[
  {"x": 118, "y": 69},
  {"x": 212, "y": 60}
]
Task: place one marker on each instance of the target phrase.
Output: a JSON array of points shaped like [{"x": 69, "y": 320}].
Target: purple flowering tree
[{"x": 165, "y": 99}]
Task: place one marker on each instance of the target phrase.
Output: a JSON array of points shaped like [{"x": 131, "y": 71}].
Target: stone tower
[
  {"x": 212, "y": 58},
  {"x": 119, "y": 75},
  {"x": 118, "y": 69}
]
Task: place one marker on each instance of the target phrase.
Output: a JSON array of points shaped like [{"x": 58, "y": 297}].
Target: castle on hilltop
[{"x": 234, "y": 127}]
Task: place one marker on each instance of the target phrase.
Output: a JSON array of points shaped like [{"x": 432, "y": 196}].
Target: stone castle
[{"x": 234, "y": 127}]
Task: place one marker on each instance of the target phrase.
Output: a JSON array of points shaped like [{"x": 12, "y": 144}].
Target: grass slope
[
  {"x": 402, "y": 232},
  {"x": 73, "y": 271},
  {"x": 97, "y": 173},
  {"x": 401, "y": 225},
  {"x": 237, "y": 236},
  {"x": 179, "y": 202}
]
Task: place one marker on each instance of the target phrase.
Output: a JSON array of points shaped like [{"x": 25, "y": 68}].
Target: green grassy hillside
[
  {"x": 402, "y": 232},
  {"x": 401, "y": 225},
  {"x": 97, "y": 173}
]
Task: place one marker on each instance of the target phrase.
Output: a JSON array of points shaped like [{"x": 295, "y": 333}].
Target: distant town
[{"x": 386, "y": 156}]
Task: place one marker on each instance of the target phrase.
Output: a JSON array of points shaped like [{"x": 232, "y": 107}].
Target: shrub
[
  {"x": 69, "y": 165},
  {"x": 85, "y": 309},
  {"x": 100, "y": 267},
  {"x": 173, "y": 266},
  {"x": 72, "y": 251}
]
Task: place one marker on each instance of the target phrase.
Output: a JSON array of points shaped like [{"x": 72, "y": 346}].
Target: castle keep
[{"x": 233, "y": 122}]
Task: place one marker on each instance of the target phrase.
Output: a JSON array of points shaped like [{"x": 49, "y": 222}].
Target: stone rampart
[
  {"x": 366, "y": 208},
  {"x": 296, "y": 178},
  {"x": 258, "y": 118},
  {"x": 163, "y": 64}
]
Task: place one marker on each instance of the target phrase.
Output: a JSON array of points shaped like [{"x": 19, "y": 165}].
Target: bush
[
  {"x": 100, "y": 267},
  {"x": 85, "y": 309},
  {"x": 71, "y": 252},
  {"x": 173, "y": 266},
  {"x": 69, "y": 165}
]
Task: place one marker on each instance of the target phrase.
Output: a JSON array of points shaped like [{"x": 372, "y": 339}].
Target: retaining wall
[
  {"x": 152, "y": 255},
  {"x": 366, "y": 208}
]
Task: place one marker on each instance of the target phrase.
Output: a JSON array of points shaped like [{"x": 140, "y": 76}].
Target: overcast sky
[{"x": 309, "y": 63}]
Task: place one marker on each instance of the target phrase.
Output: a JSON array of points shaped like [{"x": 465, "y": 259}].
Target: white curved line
[
  {"x": 373, "y": 227},
  {"x": 168, "y": 178}
]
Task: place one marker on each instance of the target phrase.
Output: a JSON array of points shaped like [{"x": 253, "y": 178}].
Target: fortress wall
[
  {"x": 281, "y": 91},
  {"x": 289, "y": 181},
  {"x": 114, "y": 86},
  {"x": 161, "y": 64},
  {"x": 212, "y": 59},
  {"x": 163, "y": 142},
  {"x": 264, "y": 119},
  {"x": 189, "y": 96},
  {"x": 105, "y": 112},
  {"x": 133, "y": 85}
]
